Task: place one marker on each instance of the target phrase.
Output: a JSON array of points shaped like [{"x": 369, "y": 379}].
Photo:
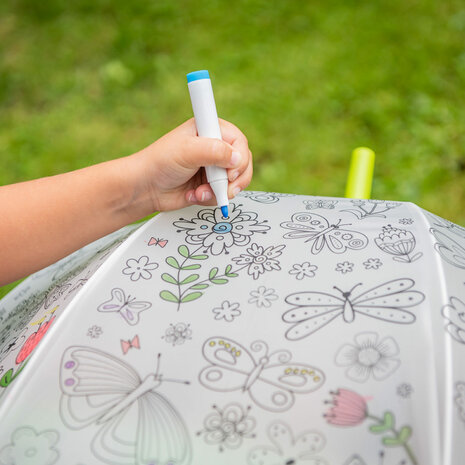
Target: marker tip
[{"x": 224, "y": 211}]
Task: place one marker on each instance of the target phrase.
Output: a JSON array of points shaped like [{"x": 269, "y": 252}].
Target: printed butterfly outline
[
  {"x": 313, "y": 310},
  {"x": 137, "y": 424},
  {"x": 271, "y": 381},
  {"x": 155, "y": 241},
  {"x": 128, "y": 308},
  {"x": 287, "y": 448},
  {"x": 320, "y": 203},
  {"x": 317, "y": 229}
]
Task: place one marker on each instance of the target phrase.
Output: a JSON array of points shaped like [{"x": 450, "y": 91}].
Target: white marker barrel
[{"x": 206, "y": 121}]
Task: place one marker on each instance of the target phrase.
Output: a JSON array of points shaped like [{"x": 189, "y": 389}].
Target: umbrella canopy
[{"x": 299, "y": 330}]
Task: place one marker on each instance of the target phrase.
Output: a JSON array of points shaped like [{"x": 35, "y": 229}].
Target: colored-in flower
[
  {"x": 348, "y": 408},
  {"x": 372, "y": 264},
  {"x": 369, "y": 357},
  {"x": 216, "y": 233},
  {"x": 398, "y": 242},
  {"x": 259, "y": 260},
  {"x": 305, "y": 270},
  {"x": 178, "y": 334},
  {"x": 454, "y": 313},
  {"x": 139, "y": 268},
  {"x": 32, "y": 341},
  {"x": 227, "y": 311},
  {"x": 228, "y": 427},
  {"x": 262, "y": 297},
  {"x": 30, "y": 448},
  {"x": 344, "y": 267}
]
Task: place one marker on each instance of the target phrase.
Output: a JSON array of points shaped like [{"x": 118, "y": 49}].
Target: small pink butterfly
[
  {"x": 127, "y": 307},
  {"x": 126, "y": 345},
  {"x": 160, "y": 242}
]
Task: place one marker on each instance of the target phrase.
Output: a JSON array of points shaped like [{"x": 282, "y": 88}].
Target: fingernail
[
  {"x": 236, "y": 190},
  {"x": 235, "y": 158},
  {"x": 191, "y": 197},
  {"x": 206, "y": 196},
  {"x": 234, "y": 176}
]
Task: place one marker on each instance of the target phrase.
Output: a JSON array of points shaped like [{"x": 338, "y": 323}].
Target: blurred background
[{"x": 307, "y": 81}]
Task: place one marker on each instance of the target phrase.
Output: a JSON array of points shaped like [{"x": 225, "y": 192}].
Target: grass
[{"x": 86, "y": 81}]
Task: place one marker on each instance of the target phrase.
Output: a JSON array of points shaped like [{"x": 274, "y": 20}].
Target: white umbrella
[{"x": 300, "y": 330}]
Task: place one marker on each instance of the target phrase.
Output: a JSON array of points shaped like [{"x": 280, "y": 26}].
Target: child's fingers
[
  {"x": 242, "y": 181},
  {"x": 204, "y": 151}
]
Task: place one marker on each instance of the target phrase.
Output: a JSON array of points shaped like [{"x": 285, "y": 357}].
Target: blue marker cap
[
  {"x": 224, "y": 211},
  {"x": 196, "y": 75}
]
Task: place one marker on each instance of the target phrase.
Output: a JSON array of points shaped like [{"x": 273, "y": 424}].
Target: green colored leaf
[
  {"x": 227, "y": 269},
  {"x": 191, "y": 296},
  {"x": 199, "y": 257},
  {"x": 189, "y": 279},
  {"x": 219, "y": 281},
  {"x": 183, "y": 250},
  {"x": 173, "y": 262},
  {"x": 199, "y": 286},
  {"x": 169, "y": 296},
  {"x": 391, "y": 442},
  {"x": 195, "y": 266},
  {"x": 404, "y": 434},
  {"x": 232, "y": 275},
  {"x": 386, "y": 425},
  {"x": 168, "y": 278},
  {"x": 213, "y": 272}
]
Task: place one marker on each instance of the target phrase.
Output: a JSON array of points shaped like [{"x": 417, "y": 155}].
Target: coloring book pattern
[{"x": 205, "y": 339}]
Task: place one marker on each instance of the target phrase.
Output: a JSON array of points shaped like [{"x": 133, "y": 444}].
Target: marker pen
[{"x": 206, "y": 121}]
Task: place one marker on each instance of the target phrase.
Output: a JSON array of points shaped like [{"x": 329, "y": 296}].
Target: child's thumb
[{"x": 204, "y": 151}]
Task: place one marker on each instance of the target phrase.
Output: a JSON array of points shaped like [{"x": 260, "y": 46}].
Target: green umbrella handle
[{"x": 360, "y": 176}]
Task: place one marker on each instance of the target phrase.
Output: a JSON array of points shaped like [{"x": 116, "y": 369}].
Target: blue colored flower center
[{"x": 222, "y": 227}]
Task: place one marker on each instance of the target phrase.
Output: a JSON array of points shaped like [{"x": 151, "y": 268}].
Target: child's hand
[{"x": 170, "y": 170}]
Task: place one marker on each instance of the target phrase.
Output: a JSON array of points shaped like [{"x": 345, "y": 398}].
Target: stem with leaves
[
  {"x": 194, "y": 290},
  {"x": 399, "y": 438}
]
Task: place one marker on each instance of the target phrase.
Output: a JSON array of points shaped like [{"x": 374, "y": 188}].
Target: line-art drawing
[
  {"x": 258, "y": 259},
  {"x": 55, "y": 294},
  {"x": 404, "y": 390},
  {"x": 316, "y": 228},
  {"x": 227, "y": 311},
  {"x": 320, "y": 203},
  {"x": 263, "y": 297},
  {"x": 270, "y": 379},
  {"x": 30, "y": 447},
  {"x": 141, "y": 267},
  {"x": 398, "y": 242},
  {"x": 156, "y": 241},
  {"x": 227, "y": 427},
  {"x": 217, "y": 234},
  {"x": 12, "y": 344},
  {"x": 451, "y": 247},
  {"x": 344, "y": 267},
  {"x": 126, "y": 345},
  {"x": 312, "y": 311},
  {"x": 303, "y": 270},
  {"x": 287, "y": 448},
  {"x": 369, "y": 357},
  {"x": 454, "y": 314},
  {"x": 129, "y": 308},
  {"x": 264, "y": 197},
  {"x": 94, "y": 332},
  {"x": 178, "y": 334},
  {"x": 459, "y": 399},
  {"x": 98, "y": 388},
  {"x": 372, "y": 263},
  {"x": 348, "y": 408},
  {"x": 363, "y": 209}
]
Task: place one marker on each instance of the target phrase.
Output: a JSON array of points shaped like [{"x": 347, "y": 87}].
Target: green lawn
[{"x": 307, "y": 81}]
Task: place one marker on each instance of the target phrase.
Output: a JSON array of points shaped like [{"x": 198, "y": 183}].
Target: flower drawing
[
  {"x": 139, "y": 268},
  {"x": 33, "y": 340},
  {"x": 216, "y": 233},
  {"x": 228, "y": 427},
  {"x": 372, "y": 264},
  {"x": 258, "y": 259},
  {"x": 94, "y": 331},
  {"x": 404, "y": 390},
  {"x": 178, "y": 334},
  {"x": 454, "y": 313},
  {"x": 369, "y": 357},
  {"x": 370, "y": 208},
  {"x": 29, "y": 447},
  {"x": 398, "y": 242},
  {"x": 348, "y": 408},
  {"x": 287, "y": 448},
  {"x": 227, "y": 311},
  {"x": 304, "y": 270},
  {"x": 345, "y": 267},
  {"x": 263, "y": 297},
  {"x": 406, "y": 221}
]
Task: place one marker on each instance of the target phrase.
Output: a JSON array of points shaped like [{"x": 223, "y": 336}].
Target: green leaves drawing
[{"x": 182, "y": 294}]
